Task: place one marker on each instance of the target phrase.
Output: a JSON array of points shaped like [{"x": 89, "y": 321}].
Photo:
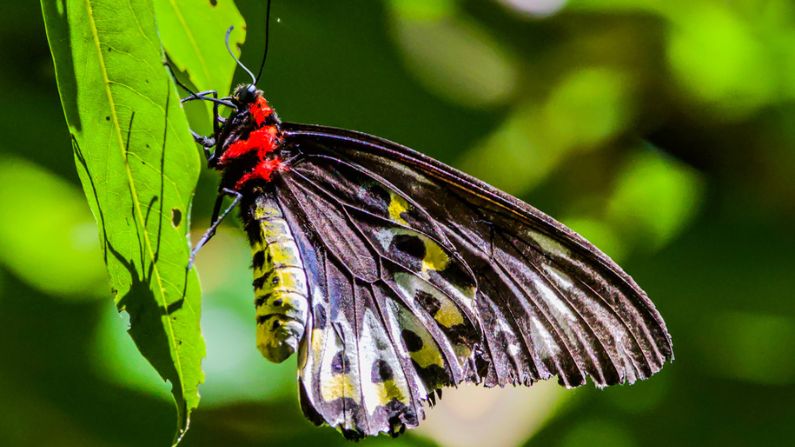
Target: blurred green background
[{"x": 663, "y": 131}]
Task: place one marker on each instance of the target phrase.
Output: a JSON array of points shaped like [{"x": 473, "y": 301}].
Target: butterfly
[{"x": 391, "y": 275}]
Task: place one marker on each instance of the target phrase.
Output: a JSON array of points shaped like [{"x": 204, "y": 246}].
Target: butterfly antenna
[
  {"x": 267, "y": 40},
  {"x": 229, "y": 49}
]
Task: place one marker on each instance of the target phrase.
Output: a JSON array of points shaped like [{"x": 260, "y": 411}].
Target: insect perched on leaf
[{"x": 392, "y": 275}]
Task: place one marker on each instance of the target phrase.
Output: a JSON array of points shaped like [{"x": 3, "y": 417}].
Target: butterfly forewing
[{"x": 547, "y": 302}]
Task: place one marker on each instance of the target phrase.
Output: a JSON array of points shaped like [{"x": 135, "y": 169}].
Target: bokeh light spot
[
  {"x": 457, "y": 60},
  {"x": 717, "y": 58},
  {"x": 535, "y": 8},
  {"x": 654, "y": 197},
  {"x": 516, "y": 156},
  {"x": 588, "y": 106},
  {"x": 47, "y": 233}
]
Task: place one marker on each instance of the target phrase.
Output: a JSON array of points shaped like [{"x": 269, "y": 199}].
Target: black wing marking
[{"x": 549, "y": 303}]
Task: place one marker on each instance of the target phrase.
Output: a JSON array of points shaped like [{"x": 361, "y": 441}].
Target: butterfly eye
[{"x": 246, "y": 94}]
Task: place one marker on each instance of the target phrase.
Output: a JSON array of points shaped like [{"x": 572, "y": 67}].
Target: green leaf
[
  {"x": 193, "y": 34},
  {"x": 138, "y": 167}
]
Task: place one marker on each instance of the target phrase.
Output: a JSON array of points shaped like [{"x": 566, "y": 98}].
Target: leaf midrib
[{"x": 133, "y": 190}]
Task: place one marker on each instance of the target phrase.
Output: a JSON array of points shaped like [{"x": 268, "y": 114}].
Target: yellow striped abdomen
[{"x": 280, "y": 288}]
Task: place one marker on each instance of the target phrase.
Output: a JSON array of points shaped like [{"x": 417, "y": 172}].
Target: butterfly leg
[
  {"x": 208, "y": 142},
  {"x": 205, "y": 142},
  {"x": 216, "y": 220},
  {"x": 207, "y": 95}
]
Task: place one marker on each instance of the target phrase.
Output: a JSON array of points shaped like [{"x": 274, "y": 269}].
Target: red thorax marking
[
  {"x": 264, "y": 170},
  {"x": 260, "y": 110},
  {"x": 263, "y": 140}
]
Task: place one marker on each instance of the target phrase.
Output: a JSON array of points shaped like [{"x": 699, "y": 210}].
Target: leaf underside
[{"x": 138, "y": 167}]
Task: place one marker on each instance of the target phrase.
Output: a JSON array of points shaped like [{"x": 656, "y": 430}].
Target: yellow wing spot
[
  {"x": 428, "y": 355},
  {"x": 435, "y": 258},
  {"x": 337, "y": 387},
  {"x": 397, "y": 206},
  {"x": 317, "y": 341},
  {"x": 389, "y": 390},
  {"x": 448, "y": 315},
  {"x": 549, "y": 245}
]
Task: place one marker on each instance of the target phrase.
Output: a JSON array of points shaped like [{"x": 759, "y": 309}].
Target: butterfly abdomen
[{"x": 280, "y": 288}]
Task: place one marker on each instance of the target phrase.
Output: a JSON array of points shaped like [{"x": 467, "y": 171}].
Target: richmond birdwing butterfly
[{"x": 393, "y": 275}]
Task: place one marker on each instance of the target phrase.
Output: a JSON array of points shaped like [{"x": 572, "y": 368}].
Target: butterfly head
[{"x": 246, "y": 94}]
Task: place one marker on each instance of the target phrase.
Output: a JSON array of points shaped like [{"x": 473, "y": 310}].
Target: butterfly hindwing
[{"x": 386, "y": 328}]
